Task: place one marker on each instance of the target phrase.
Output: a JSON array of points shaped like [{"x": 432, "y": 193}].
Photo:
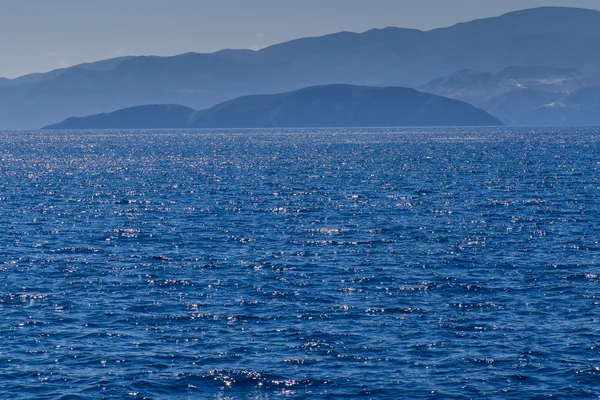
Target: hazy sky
[{"x": 40, "y": 35}]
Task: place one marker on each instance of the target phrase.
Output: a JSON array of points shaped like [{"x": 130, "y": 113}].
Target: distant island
[{"x": 319, "y": 106}]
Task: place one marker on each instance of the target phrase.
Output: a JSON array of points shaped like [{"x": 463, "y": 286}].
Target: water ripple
[{"x": 417, "y": 263}]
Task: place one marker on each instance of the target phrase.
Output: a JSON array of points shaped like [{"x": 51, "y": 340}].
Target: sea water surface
[{"x": 385, "y": 264}]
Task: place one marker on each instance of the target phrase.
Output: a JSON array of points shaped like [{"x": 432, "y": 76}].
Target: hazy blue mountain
[
  {"x": 579, "y": 108},
  {"x": 516, "y": 94},
  {"x": 469, "y": 84},
  {"x": 101, "y": 66},
  {"x": 154, "y": 116},
  {"x": 552, "y": 37},
  {"x": 321, "y": 106}
]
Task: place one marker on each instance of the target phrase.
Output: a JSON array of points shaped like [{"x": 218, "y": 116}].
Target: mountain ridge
[{"x": 92, "y": 64}]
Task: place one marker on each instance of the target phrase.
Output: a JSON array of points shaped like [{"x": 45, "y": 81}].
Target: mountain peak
[
  {"x": 540, "y": 20},
  {"x": 554, "y": 10}
]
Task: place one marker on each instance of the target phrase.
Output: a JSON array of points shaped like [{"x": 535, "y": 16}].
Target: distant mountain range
[
  {"x": 552, "y": 38},
  {"x": 321, "y": 106}
]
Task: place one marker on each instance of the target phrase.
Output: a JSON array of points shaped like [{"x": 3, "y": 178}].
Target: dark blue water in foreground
[{"x": 379, "y": 264}]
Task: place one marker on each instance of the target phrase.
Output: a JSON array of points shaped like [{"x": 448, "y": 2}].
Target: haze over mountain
[
  {"x": 526, "y": 95},
  {"x": 100, "y": 66},
  {"x": 321, "y": 106},
  {"x": 550, "y": 37}
]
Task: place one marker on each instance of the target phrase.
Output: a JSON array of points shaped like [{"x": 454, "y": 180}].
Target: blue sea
[{"x": 447, "y": 263}]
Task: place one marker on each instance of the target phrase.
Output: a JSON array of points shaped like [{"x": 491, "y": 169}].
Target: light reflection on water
[{"x": 451, "y": 263}]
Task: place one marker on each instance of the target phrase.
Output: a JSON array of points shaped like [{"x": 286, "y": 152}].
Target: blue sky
[{"x": 40, "y": 35}]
